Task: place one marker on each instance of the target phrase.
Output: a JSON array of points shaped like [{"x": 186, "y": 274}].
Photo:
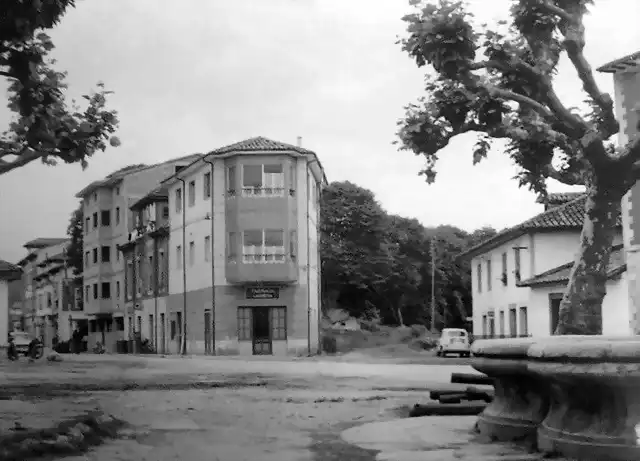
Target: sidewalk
[{"x": 432, "y": 438}]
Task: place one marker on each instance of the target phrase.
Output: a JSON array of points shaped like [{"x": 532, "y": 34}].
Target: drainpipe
[
  {"x": 213, "y": 264},
  {"x": 184, "y": 267}
]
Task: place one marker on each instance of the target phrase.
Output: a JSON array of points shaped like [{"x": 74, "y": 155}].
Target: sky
[{"x": 193, "y": 75}]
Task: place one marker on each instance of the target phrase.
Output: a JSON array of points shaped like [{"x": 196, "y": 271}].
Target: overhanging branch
[{"x": 22, "y": 158}]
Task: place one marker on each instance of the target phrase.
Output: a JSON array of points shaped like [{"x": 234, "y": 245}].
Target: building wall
[
  {"x": 615, "y": 319},
  {"x": 544, "y": 251},
  {"x": 4, "y": 313},
  {"x": 627, "y": 98}
]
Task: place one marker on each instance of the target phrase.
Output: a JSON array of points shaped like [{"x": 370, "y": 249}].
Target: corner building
[{"x": 244, "y": 264}]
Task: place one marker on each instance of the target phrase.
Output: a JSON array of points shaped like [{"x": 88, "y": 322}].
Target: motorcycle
[{"x": 34, "y": 351}]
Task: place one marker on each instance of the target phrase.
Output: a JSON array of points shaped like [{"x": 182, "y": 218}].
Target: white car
[{"x": 454, "y": 341}]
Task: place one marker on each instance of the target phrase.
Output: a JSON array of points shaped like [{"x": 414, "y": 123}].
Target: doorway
[
  {"x": 554, "y": 310},
  {"x": 261, "y": 329},
  {"x": 163, "y": 339},
  {"x": 513, "y": 322}
]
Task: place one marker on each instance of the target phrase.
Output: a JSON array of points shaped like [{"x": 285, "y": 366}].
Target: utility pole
[{"x": 433, "y": 285}]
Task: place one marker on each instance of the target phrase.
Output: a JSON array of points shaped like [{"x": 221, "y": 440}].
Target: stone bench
[
  {"x": 594, "y": 385},
  {"x": 521, "y": 398}
]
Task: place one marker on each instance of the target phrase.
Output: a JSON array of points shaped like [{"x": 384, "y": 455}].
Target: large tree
[
  {"x": 499, "y": 84},
  {"x": 75, "y": 231},
  {"x": 44, "y": 126}
]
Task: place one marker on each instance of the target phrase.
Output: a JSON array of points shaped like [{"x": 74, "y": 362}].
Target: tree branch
[
  {"x": 22, "y": 158},
  {"x": 574, "y": 42}
]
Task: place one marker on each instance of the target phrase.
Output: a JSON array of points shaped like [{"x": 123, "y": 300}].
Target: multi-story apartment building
[
  {"x": 244, "y": 264},
  {"x": 8, "y": 274},
  {"x": 49, "y": 304},
  {"x": 107, "y": 220},
  {"x": 146, "y": 257}
]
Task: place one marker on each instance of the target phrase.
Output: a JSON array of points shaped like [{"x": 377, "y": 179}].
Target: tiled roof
[
  {"x": 559, "y": 198},
  {"x": 9, "y": 271},
  {"x": 115, "y": 177},
  {"x": 563, "y": 217},
  {"x": 560, "y": 274},
  {"x": 159, "y": 194},
  {"x": 44, "y": 242},
  {"x": 259, "y": 144},
  {"x": 626, "y": 63}
]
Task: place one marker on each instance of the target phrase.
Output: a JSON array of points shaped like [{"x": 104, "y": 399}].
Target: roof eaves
[
  {"x": 630, "y": 62},
  {"x": 172, "y": 179}
]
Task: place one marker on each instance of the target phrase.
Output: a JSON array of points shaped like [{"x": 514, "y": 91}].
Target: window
[
  {"x": 95, "y": 220},
  {"x": 48, "y": 299},
  {"x": 179, "y": 257},
  {"x": 165, "y": 212},
  {"x": 117, "y": 216},
  {"x": 95, "y": 291},
  {"x": 95, "y": 196},
  {"x": 488, "y": 275},
  {"x": 95, "y": 255},
  {"x": 118, "y": 289},
  {"x": 513, "y": 322},
  {"x": 178, "y": 200},
  {"x": 278, "y": 323},
  {"x": 93, "y": 326},
  {"x": 192, "y": 193},
  {"x": 524, "y": 323},
  {"x": 504, "y": 270},
  {"x": 293, "y": 244},
  {"x": 232, "y": 247},
  {"x": 292, "y": 177},
  {"x": 262, "y": 180},
  {"x": 244, "y": 324},
  {"x": 260, "y": 246},
  {"x": 119, "y": 323},
  {"x": 231, "y": 180},
  {"x": 117, "y": 252},
  {"x": 501, "y": 323},
  {"x": 86, "y": 259},
  {"x": 206, "y": 184},
  {"x": 516, "y": 257},
  {"x": 151, "y": 335},
  {"x": 172, "y": 330},
  {"x": 105, "y": 218},
  {"x": 105, "y": 254},
  {"x": 151, "y": 271},
  {"x": 192, "y": 253},
  {"x": 118, "y": 190},
  {"x": 87, "y": 224},
  {"x": 479, "y": 274},
  {"x": 485, "y": 325},
  {"x": 207, "y": 248},
  {"x": 106, "y": 290},
  {"x": 178, "y": 168},
  {"x": 87, "y": 293}
]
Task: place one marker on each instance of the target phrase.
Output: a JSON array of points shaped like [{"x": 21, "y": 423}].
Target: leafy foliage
[
  {"x": 376, "y": 264},
  {"x": 498, "y": 82},
  {"x": 44, "y": 126},
  {"x": 75, "y": 231}
]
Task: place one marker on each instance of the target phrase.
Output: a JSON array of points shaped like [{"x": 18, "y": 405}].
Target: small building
[
  {"x": 519, "y": 275},
  {"x": 8, "y": 273},
  {"x": 244, "y": 263}
]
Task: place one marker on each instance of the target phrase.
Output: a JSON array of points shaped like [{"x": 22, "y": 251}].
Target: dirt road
[{"x": 244, "y": 410}]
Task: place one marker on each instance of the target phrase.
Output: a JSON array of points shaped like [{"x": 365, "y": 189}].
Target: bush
[
  {"x": 329, "y": 344},
  {"x": 370, "y": 325},
  {"x": 63, "y": 347},
  {"x": 418, "y": 330},
  {"x": 425, "y": 343}
]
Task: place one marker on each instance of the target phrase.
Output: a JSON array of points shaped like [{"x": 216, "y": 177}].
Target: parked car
[
  {"x": 21, "y": 340},
  {"x": 453, "y": 341}
]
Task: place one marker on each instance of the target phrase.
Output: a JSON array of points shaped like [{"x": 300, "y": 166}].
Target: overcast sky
[{"x": 194, "y": 75}]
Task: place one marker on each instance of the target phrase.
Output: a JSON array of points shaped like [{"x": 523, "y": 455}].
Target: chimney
[{"x": 299, "y": 141}]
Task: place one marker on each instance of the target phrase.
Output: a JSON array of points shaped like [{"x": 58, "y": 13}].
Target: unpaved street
[{"x": 246, "y": 410}]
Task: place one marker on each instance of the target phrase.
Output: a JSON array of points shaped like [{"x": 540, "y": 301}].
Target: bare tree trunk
[
  {"x": 400, "y": 319},
  {"x": 581, "y": 306}
]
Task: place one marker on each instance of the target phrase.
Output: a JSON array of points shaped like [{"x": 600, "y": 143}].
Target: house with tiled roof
[
  {"x": 519, "y": 274},
  {"x": 8, "y": 274}
]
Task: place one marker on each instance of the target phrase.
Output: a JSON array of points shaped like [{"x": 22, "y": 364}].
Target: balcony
[{"x": 262, "y": 269}]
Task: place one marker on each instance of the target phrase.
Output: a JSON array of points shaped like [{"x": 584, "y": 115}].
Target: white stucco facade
[
  {"x": 520, "y": 311},
  {"x": 4, "y": 312}
]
